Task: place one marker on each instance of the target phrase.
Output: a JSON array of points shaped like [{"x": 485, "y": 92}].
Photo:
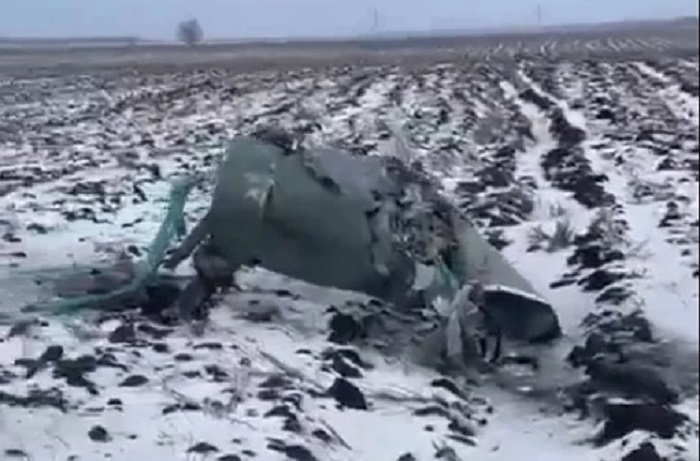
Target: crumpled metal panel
[
  {"x": 307, "y": 215},
  {"x": 366, "y": 224}
]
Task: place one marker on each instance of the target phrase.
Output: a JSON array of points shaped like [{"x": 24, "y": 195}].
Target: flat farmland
[{"x": 576, "y": 153}]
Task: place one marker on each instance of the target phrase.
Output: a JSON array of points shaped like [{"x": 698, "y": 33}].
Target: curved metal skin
[{"x": 330, "y": 219}]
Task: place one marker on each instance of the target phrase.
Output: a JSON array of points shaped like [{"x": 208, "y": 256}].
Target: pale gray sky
[{"x": 288, "y": 18}]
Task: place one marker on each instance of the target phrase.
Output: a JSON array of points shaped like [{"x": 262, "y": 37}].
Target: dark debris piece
[
  {"x": 191, "y": 406},
  {"x": 631, "y": 380},
  {"x": 125, "y": 333},
  {"x": 16, "y": 453},
  {"x": 406, "y": 457},
  {"x": 293, "y": 452},
  {"x": 344, "y": 369},
  {"x": 624, "y": 418},
  {"x": 134, "y": 381},
  {"x": 36, "y": 398},
  {"x": 202, "y": 448},
  {"x": 99, "y": 434},
  {"x": 51, "y": 354},
  {"x": 74, "y": 371},
  {"x": 229, "y": 457},
  {"x": 347, "y": 394},
  {"x": 449, "y": 386},
  {"x": 344, "y": 328}
]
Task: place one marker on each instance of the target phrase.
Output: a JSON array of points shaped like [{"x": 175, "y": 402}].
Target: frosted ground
[{"x": 583, "y": 172}]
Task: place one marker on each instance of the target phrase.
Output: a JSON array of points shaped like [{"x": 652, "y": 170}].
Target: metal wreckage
[{"x": 376, "y": 225}]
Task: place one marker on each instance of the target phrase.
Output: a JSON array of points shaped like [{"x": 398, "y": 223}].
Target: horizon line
[{"x": 389, "y": 34}]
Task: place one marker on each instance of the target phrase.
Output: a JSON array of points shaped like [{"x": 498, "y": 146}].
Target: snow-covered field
[{"x": 583, "y": 172}]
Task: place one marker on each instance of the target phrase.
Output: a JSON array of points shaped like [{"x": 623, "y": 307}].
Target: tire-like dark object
[{"x": 520, "y": 316}]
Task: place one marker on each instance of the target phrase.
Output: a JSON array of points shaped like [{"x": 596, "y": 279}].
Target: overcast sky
[{"x": 288, "y": 18}]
